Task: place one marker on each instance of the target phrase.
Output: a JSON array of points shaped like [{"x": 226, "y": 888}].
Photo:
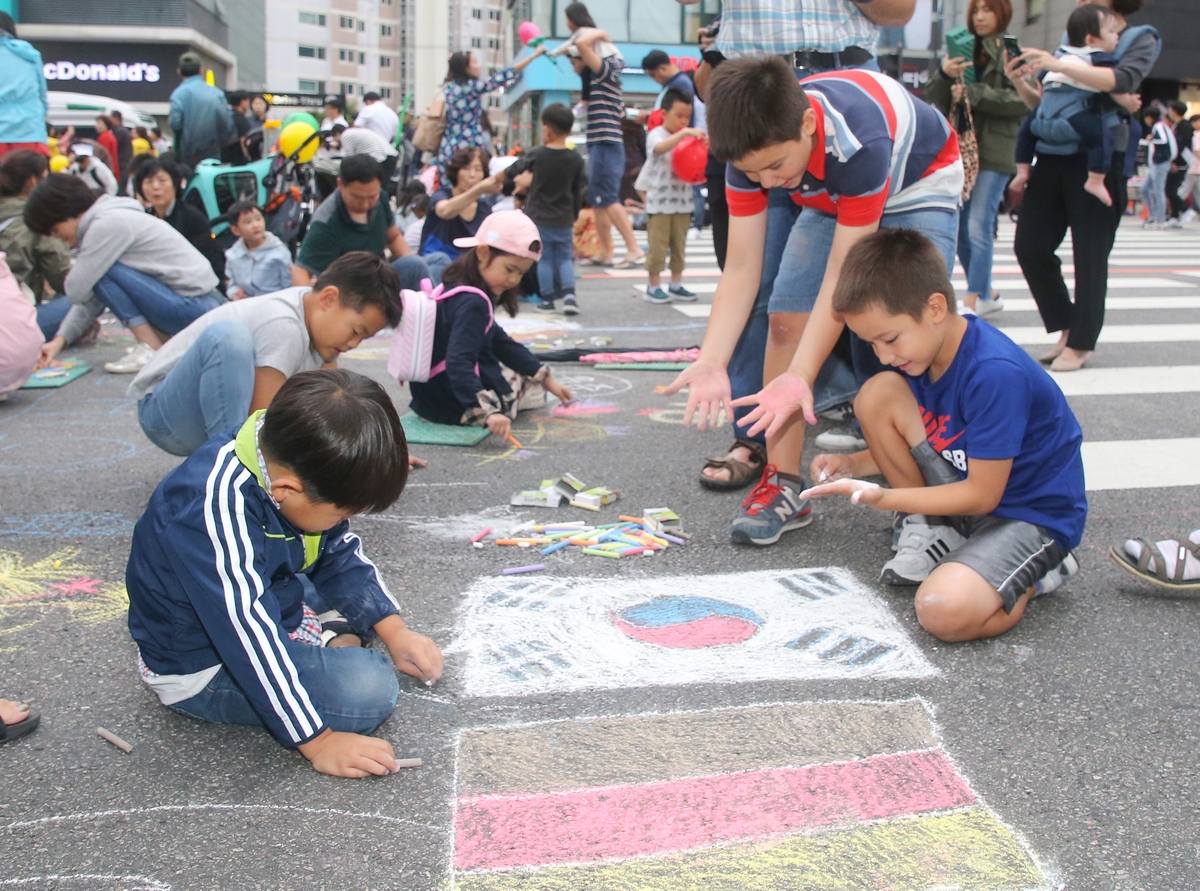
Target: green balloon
[{"x": 302, "y": 116}]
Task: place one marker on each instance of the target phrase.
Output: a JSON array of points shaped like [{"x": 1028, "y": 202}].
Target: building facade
[
  {"x": 347, "y": 47},
  {"x": 129, "y": 50}
]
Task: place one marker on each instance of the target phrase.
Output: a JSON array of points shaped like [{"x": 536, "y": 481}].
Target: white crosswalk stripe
[{"x": 1148, "y": 271}]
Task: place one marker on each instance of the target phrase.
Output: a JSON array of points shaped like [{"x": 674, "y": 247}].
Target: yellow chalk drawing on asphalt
[
  {"x": 30, "y": 591},
  {"x": 968, "y": 850}
]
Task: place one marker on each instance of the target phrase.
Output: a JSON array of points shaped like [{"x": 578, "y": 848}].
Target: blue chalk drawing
[{"x": 67, "y": 525}]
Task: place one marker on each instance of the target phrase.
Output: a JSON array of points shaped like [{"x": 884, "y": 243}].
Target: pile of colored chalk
[
  {"x": 630, "y": 537},
  {"x": 552, "y": 493}
]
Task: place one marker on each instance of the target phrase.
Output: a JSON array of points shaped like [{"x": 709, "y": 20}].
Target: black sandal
[
  {"x": 741, "y": 474},
  {"x": 9, "y": 732}
]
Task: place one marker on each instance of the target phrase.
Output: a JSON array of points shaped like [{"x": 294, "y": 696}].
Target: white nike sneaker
[
  {"x": 1058, "y": 576},
  {"x": 920, "y": 549},
  {"x": 132, "y": 362}
]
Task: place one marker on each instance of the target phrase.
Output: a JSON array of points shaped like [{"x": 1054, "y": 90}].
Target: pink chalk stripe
[
  {"x": 499, "y": 831},
  {"x": 711, "y": 631}
]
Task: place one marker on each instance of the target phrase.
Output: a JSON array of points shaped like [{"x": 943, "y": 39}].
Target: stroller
[{"x": 282, "y": 186}]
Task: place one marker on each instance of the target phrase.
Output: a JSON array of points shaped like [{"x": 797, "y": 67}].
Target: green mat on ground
[
  {"x": 642, "y": 366},
  {"x": 423, "y": 432},
  {"x": 58, "y": 375}
]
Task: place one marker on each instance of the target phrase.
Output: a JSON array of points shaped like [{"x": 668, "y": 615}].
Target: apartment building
[{"x": 348, "y": 47}]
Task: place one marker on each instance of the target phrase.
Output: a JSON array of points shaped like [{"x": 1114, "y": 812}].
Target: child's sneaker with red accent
[{"x": 771, "y": 509}]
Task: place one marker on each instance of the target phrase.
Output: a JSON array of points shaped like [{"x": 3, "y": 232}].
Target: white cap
[{"x": 82, "y": 150}]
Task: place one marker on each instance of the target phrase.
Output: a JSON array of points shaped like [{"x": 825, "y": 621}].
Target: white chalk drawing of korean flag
[{"x": 529, "y": 636}]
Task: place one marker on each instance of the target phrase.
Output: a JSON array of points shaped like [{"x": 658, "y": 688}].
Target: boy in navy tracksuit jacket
[{"x": 229, "y": 544}]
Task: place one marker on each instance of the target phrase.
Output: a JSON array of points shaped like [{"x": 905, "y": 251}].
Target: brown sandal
[
  {"x": 1157, "y": 574},
  {"x": 740, "y": 473}
]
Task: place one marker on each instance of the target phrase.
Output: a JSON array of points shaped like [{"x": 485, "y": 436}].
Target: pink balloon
[{"x": 528, "y": 31}]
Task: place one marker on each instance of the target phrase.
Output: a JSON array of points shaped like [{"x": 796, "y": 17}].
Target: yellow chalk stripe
[{"x": 969, "y": 850}]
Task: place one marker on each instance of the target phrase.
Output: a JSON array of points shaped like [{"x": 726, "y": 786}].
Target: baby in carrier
[{"x": 1071, "y": 112}]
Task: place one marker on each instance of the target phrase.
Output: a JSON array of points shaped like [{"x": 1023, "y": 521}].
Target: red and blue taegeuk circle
[{"x": 688, "y": 623}]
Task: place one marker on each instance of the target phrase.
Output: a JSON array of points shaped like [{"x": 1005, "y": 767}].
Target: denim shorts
[
  {"x": 606, "y": 166},
  {"x": 804, "y": 259}
]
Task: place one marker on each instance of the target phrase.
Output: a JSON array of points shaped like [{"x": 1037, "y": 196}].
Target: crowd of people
[{"x": 842, "y": 203}]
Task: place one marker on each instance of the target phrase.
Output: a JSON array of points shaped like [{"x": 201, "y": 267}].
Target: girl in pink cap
[{"x": 469, "y": 349}]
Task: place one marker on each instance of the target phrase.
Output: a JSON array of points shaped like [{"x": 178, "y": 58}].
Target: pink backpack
[{"x": 412, "y": 342}]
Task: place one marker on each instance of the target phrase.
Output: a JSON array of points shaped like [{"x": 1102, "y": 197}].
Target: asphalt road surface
[{"x": 714, "y": 716}]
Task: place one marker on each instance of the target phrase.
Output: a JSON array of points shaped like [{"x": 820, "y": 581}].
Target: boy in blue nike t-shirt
[
  {"x": 977, "y": 442},
  {"x": 230, "y": 550}
]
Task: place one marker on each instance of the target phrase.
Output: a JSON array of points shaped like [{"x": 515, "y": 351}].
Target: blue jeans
[
  {"x": 697, "y": 207},
  {"x": 51, "y": 314},
  {"x": 606, "y": 166},
  {"x": 412, "y": 269},
  {"x": 353, "y": 688},
  {"x": 1154, "y": 191},
  {"x": 803, "y": 267},
  {"x": 208, "y": 390},
  {"x": 557, "y": 263},
  {"x": 138, "y": 299},
  {"x": 976, "y": 230}
]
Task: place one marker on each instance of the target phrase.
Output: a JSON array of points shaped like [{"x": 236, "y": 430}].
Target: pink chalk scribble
[
  {"x": 76, "y": 587},
  {"x": 584, "y": 407}
]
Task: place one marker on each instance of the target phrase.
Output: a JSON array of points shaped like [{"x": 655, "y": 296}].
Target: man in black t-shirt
[
  {"x": 235, "y": 152},
  {"x": 1177, "y": 113}
]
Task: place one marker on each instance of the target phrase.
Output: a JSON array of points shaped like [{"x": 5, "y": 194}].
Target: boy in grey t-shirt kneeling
[{"x": 231, "y": 361}]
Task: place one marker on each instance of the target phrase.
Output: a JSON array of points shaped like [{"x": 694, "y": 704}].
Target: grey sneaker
[
  {"x": 1058, "y": 576},
  {"x": 657, "y": 295},
  {"x": 770, "y": 510},
  {"x": 839, "y": 414},
  {"x": 570, "y": 305},
  {"x": 133, "y": 361},
  {"x": 920, "y": 549},
  {"x": 844, "y": 439}
]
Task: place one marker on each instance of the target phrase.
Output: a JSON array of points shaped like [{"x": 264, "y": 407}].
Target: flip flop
[
  {"x": 9, "y": 732},
  {"x": 631, "y": 264},
  {"x": 1157, "y": 575},
  {"x": 592, "y": 261}
]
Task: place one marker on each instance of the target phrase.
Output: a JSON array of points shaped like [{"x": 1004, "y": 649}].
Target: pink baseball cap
[{"x": 509, "y": 231}]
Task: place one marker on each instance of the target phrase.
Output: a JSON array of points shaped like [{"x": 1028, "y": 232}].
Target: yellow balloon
[
  {"x": 293, "y": 136},
  {"x": 59, "y": 163}
]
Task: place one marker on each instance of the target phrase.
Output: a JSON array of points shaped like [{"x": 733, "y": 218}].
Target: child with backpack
[
  {"x": 448, "y": 346},
  {"x": 1071, "y": 111}
]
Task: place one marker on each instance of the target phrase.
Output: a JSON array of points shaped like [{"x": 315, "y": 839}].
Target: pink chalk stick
[
  {"x": 480, "y": 536},
  {"x": 505, "y": 831}
]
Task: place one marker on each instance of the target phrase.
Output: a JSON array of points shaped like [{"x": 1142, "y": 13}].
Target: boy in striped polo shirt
[{"x": 857, "y": 153}]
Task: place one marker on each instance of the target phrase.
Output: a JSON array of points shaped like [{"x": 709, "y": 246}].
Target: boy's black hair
[
  {"x": 673, "y": 96},
  {"x": 1153, "y": 112},
  {"x": 58, "y": 197},
  {"x": 753, "y": 102},
  {"x": 371, "y": 97},
  {"x": 150, "y": 166},
  {"x": 558, "y": 118},
  {"x": 897, "y": 269},
  {"x": 1194, "y": 118},
  {"x": 189, "y": 69},
  {"x": 364, "y": 279},
  {"x": 420, "y": 204},
  {"x": 1085, "y": 22},
  {"x": 360, "y": 169},
  {"x": 1180, "y": 108},
  {"x": 466, "y": 271},
  {"x": 654, "y": 60},
  {"x": 246, "y": 205},
  {"x": 338, "y": 431},
  {"x": 17, "y": 168}
]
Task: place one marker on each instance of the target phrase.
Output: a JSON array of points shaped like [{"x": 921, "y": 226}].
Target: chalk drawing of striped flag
[{"x": 828, "y": 796}]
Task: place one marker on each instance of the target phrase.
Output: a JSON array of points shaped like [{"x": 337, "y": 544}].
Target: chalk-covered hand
[
  {"x": 828, "y": 468},
  {"x": 708, "y": 388},
  {"x": 350, "y": 755},
  {"x": 860, "y": 491},
  {"x": 50, "y": 350},
  {"x": 558, "y": 388},
  {"x": 416, "y": 655},
  {"x": 777, "y": 402},
  {"x": 499, "y": 424}
]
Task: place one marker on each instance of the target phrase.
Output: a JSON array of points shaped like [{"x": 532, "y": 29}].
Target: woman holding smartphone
[{"x": 997, "y": 109}]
